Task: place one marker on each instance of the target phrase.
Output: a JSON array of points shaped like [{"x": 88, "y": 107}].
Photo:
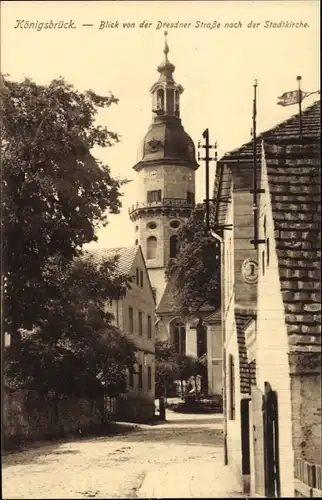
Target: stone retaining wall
[{"x": 30, "y": 416}]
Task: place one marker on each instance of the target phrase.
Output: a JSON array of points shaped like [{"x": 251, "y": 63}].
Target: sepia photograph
[{"x": 160, "y": 249}]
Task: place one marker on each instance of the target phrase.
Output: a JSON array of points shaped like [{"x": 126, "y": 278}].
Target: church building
[{"x": 165, "y": 200}]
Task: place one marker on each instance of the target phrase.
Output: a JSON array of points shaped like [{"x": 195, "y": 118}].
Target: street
[{"x": 180, "y": 458}]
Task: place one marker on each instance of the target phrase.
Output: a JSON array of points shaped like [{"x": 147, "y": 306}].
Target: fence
[{"x": 308, "y": 476}]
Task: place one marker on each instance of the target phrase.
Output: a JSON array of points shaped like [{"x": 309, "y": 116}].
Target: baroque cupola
[{"x": 166, "y": 139}]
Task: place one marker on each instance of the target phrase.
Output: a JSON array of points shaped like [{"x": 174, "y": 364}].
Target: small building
[
  {"x": 271, "y": 308},
  {"x": 232, "y": 219},
  {"x": 135, "y": 316},
  {"x": 288, "y": 330},
  {"x": 198, "y": 336}
]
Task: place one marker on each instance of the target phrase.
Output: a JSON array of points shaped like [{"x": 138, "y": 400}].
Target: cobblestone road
[{"x": 182, "y": 458}]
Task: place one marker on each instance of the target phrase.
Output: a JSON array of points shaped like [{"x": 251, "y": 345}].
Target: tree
[
  {"x": 172, "y": 367},
  {"x": 188, "y": 367},
  {"x": 166, "y": 367},
  {"x": 195, "y": 271},
  {"x": 75, "y": 349},
  {"x": 54, "y": 192}
]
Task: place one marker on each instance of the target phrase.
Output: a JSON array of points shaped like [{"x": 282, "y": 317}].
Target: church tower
[{"x": 166, "y": 178}]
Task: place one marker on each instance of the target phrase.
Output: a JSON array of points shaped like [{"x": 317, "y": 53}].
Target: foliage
[
  {"x": 171, "y": 366},
  {"x": 195, "y": 271},
  {"x": 74, "y": 349},
  {"x": 54, "y": 195},
  {"x": 166, "y": 366},
  {"x": 188, "y": 367},
  {"x": 54, "y": 192}
]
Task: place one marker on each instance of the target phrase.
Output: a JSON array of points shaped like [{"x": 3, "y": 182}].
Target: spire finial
[
  {"x": 166, "y": 68},
  {"x": 166, "y": 46}
]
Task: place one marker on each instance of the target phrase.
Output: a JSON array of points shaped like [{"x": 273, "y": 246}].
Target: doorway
[{"x": 271, "y": 443}]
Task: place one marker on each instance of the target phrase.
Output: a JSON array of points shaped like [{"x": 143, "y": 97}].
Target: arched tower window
[
  {"x": 170, "y": 101},
  {"x": 173, "y": 246},
  {"x": 178, "y": 336},
  {"x": 151, "y": 247},
  {"x": 176, "y": 103},
  {"x": 159, "y": 105}
]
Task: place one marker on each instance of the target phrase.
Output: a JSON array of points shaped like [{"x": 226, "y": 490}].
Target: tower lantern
[{"x": 166, "y": 92}]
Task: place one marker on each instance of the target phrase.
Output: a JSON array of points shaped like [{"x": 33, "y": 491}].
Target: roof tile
[
  {"x": 242, "y": 318},
  {"x": 294, "y": 175},
  {"x": 287, "y": 130},
  {"x": 125, "y": 256},
  {"x": 296, "y": 207}
]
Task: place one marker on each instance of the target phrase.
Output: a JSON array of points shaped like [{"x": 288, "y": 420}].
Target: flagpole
[{"x": 299, "y": 78}]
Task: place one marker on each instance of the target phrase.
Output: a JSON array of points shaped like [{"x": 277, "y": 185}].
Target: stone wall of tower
[
  {"x": 144, "y": 229},
  {"x": 173, "y": 180}
]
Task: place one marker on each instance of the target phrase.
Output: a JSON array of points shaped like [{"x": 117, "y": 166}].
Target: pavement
[{"x": 182, "y": 458}]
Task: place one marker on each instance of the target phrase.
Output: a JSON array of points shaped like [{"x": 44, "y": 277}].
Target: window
[
  {"x": 141, "y": 279},
  {"x": 154, "y": 196},
  {"x": 131, "y": 377},
  {"x": 160, "y": 100},
  {"x": 173, "y": 246},
  {"x": 151, "y": 247},
  {"x": 174, "y": 224},
  {"x": 170, "y": 101},
  {"x": 136, "y": 242},
  {"x": 201, "y": 340},
  {"x": 190, "y": 197},
  {"x": 149, "y": 327},
  {"x": 140, "y": 323},
  {"x": 140, "y": 373},
  {"x": 267, "y": 252},
  {"x": 149, "y": 378},
  {"x": 131, "y": 323},
  {"x": 176, "y": 100},
  {"x": 151, "y": 225},
  {"x": 231, "y": 388},
  {"x": 137, "y": 276},
  {"x": 178, "y": 337},
  {"x": 263, "y": 262}
]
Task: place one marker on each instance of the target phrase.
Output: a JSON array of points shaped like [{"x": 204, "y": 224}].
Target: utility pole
[
  {"x": 207, "y": 159},
  {"x": 255, "y": 191}
]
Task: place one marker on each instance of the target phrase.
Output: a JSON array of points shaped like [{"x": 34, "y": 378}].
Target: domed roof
[{"x": 167, "y": 142}]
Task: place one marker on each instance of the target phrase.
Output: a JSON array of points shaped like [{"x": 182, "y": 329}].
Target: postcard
[{"x": 161, "y": 245}]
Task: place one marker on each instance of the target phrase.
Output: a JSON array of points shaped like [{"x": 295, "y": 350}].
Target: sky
[{"x": 217, "y": 68}]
